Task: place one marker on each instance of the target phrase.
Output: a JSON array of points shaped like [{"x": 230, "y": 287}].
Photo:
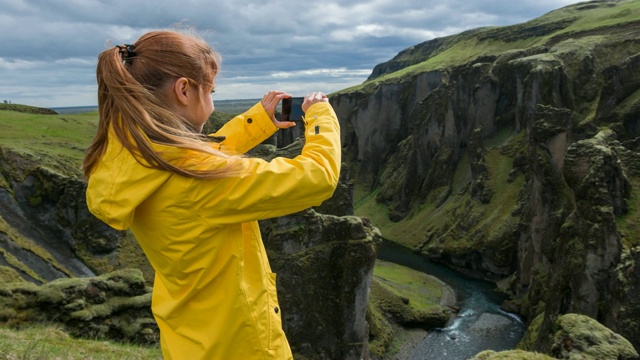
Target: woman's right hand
[
  {"x": 269, "y": 102},
  {"x": 312, "y": 98},
  {"x": 271, "y": 99}
]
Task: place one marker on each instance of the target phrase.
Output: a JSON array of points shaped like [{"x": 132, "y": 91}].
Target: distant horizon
[
  {"x": 92, "y": 106},
  {"x": 63, "y": 110}
]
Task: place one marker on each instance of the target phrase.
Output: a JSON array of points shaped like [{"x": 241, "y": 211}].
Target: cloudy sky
[{"x": 49, "y": 48}]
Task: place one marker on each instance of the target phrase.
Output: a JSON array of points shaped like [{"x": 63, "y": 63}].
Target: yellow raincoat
[{"x": 214, "y": 294}]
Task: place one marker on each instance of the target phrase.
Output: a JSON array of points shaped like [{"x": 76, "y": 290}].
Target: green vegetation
[
  {"x": 409, "y": 232},
  {"x": 592, "y": 339},
  {"x": 554, "y": 28},
  {"x": 510, "y": 355},
  {"x": 54, "y": 141},
  {"x": 629, "y": 224},
  {"x": 48, "y": 342},
  {"x": 422, "y": 291},
  {"x": 233, "y": 107},
  {"x": 27, "y": 245},
  {"x": 402, "y": 296},
  {"x": 491, "y": 223},
  {"x": 27, "y": 109}
]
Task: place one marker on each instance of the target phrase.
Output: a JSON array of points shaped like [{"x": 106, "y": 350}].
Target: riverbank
[
  {"x": 479, "y": 325},
  {"x": 410, "y": 339},
  {"x": 404, "y": 305}
]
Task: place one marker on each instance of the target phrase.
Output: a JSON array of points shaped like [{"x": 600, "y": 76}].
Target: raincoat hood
[{"x": 121, "y": 183}]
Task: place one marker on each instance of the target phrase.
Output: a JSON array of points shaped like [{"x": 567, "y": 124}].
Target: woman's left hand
[{"x": 270, "y": 101}]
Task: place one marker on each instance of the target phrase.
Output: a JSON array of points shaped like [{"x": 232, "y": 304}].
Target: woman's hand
[
  {"x": 270, "y": 101},
  {"x": 312, "y": 98}
]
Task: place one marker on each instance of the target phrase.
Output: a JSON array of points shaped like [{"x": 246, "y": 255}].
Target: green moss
[
  {"x": 130, "y": 254},
  {"x": 402, "y": 296},
  {"x": 409, "y": 232},
  {"x": 55, "y": 291},
  {"x": 627, "y": 104},
  {"x": 3, "y": 182},
  {"x": 30, "y": 246},
  {"x": 381, "y": 331},
  {"x": 530, "y": 337},
  {"x": 111, "y": 306},
  {"x": 13, "y": 261},
  {"x": 462, "y": 225},
  {"x": 9, "y": 275},
  {"x": 510, "y": 355},
  {"x": 629, "y": 224},
  {"x": 422, "y": 290},
  {"x": 534, "y": 304},
  {"x": 592, "y": 340}
]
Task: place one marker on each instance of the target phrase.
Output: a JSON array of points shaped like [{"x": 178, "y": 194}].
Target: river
[{"x": 480, "y": 324}]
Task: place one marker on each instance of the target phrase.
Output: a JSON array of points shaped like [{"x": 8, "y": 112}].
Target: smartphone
[{"x": 292, "y": 109}]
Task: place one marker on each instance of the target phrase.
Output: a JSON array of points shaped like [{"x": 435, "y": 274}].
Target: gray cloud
[{"x": 49, "y": 47}]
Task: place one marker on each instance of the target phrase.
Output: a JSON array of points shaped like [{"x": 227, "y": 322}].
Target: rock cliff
[{"x": 511, "y": 154}]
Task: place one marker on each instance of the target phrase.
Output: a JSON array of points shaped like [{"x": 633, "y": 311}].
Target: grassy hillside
[
  {"x": 52, "y": 343},
  {"x": 54, "y": 140},
  {"x": 57, "y": 141},
  {"x": 27, "y": 109},
  {"x": 558, "y": 28}
]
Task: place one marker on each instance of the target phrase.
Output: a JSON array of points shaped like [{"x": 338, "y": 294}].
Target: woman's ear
[{"x": 180, "y": 90}]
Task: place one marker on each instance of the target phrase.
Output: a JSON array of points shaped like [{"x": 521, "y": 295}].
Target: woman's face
[{"x": 200, "y": 107}]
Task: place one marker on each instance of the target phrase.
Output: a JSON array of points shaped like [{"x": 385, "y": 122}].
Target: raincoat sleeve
[
  {"x": 281, "y": 186},
  {"x": 245, "y": 131}
]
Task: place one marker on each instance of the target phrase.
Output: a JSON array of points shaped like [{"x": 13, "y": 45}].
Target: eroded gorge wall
[{"x": 526, "y": 163}]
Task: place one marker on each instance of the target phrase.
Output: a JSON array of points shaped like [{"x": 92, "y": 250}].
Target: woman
[{"x": 193, "y": 203}]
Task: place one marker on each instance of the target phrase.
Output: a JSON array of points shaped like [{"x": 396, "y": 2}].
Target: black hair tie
[{"x": 127, "y": 51}]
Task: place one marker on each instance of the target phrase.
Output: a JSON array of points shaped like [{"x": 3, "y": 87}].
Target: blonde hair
[{"x": 132, "y": 101}]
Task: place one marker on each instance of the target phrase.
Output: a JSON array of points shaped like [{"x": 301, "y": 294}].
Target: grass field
[
  {"x": 51, "y": 343},
  {"x": 55, "y": 141},
  {"x": 59, "y": 140}
]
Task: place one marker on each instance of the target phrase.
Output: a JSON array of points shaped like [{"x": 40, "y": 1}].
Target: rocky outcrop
[
  {"x": 113, "y": 306},
  {"x": 48, "y": 231},
  {"x": 576, "y": 336},
  {"x": 595, "y": 188},
  {"x": 510, "y": 355},
  {"x": 520, "y": 163},
  {"x": 324, "y": 265}
]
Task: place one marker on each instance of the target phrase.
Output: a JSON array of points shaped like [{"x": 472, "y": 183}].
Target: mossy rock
[
  {"x": 510, "y": 355},
  {"x": 581, "y": 337},
  {"x": 114, "y": 306},
  {"x": 9, "y": 275},
  {"x": 401, "y": 299}
]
